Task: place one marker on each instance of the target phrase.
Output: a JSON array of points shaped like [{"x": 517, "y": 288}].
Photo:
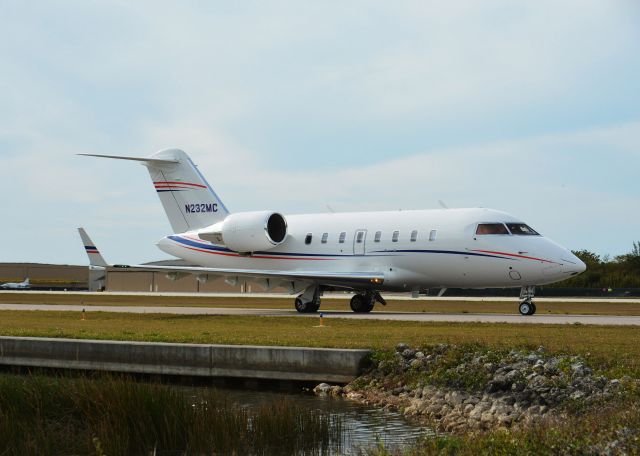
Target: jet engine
[{"x": 248, "y": 231}]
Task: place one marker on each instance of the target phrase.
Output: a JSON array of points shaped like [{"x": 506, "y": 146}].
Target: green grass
[
  {"x": 614, "y": 349},
  {"x": 618, "y": 307}
]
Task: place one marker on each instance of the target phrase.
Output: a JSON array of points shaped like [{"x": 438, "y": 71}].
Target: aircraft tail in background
[{"x": 95, "y": 258}]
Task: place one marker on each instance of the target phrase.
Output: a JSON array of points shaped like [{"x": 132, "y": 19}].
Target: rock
[
  {"x": 408, "y": 353},
  {"x": 336, "y": 390},
  {"x": 532, "y": 358},
  {"x": 490, "y": 367},
  {"x": 416, "y": 363},
  {"x": 473, "y": 400},
  {"x": 419, "y": 355},
  {"x": 479, "y": 409},
  {"x": 486, "y": 417},
  {"x": 401, "y": 347},
  {"x": 322, "y": 388},
  {"x": 498, "y": 383},
  {"x": 397, "y": 391},
  {"x": 577, "y": 395}
]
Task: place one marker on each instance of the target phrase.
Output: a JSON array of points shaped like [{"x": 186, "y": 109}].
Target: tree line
[{"x": 622, "y": 271}]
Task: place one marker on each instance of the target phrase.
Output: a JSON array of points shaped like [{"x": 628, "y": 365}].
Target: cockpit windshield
[
  {"x": 519, "y": 229},
  {"x": 491, "y": 228},
  {"x": 522, "y": 229}
]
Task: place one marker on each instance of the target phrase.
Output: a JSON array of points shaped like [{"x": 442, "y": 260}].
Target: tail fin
[
  {"x": 26, "y": 282},
  {"x": 188, "y": 199},
  {"x": 95, "y": 258}
]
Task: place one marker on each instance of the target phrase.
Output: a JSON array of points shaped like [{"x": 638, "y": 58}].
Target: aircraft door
[{"x": 359, "y": 240}]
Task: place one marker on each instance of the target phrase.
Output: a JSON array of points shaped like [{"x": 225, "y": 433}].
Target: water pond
[{"x": 363, "y": 426}]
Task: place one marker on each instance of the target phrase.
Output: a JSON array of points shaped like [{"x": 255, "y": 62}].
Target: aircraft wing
[{"x": 294, "y": 280}]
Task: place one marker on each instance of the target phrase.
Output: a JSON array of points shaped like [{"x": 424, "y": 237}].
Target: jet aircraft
[
  {"x": 16, "y": 286},
  {"x": 367, "y": 252}
]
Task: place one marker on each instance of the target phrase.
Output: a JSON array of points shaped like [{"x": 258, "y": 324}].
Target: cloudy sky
[{"x": 528, "y": 107}]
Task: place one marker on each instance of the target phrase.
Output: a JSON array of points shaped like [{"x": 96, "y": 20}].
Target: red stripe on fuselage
[{"x": 515, "y": 256}]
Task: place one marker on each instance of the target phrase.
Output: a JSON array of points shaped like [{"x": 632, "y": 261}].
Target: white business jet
[
  {"x": 368, "y": 252},
  {"x": 16, "y": 285}
]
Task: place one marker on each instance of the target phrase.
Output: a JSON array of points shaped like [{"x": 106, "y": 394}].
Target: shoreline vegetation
[
  {"x": 114, "y": 415},
  {"x": 483, "y": 400}
]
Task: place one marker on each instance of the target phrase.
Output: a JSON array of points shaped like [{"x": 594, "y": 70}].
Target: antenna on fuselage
[{"x": 442, "y": 205}]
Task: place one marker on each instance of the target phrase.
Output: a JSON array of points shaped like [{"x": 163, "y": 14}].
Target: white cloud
[{"x": 241, "y": 86}]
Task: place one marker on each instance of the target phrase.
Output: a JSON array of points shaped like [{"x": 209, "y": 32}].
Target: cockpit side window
[
  {"x": 491, "y": 228},
  {"x": 522, "y": 229}
]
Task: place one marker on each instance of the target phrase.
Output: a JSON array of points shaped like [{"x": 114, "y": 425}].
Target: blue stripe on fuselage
[{"x": 215, "y": 248}]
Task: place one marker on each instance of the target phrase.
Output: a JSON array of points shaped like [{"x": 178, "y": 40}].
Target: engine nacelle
[{"x": 248, "y": 231}]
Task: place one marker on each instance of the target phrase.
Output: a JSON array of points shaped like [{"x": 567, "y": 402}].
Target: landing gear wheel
[
  {"x": 306, "y": 307},
  {"x": 527, "y": 308},
  {"x": 301, "y": 306},
  {"x": 360, "y": 304}
]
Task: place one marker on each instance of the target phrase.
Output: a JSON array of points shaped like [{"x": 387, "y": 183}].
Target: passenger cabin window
[
  {"x": 308, "y": 238},
  {"x": 414, "y": 235},
  {"x": 359, "y": 237},
  {"x": 492, "y": 228},
  {"x": 395, "y": 236},
  {"x": 342, "y": 237},
  {"x": 377, "y": 237},
  {"x": 325, "y": 236},
  {"x": 522, "y": 229},
  {"x": 433, "y": 235}
]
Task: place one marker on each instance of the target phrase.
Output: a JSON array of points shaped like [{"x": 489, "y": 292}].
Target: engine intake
[{"x": 248, "y": 231}]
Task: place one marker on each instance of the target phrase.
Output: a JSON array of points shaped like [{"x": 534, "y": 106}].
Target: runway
[{"x": 548, "y": 319}]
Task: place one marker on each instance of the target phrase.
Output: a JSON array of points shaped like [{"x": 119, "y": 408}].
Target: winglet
[{"x": 95, "y": 258}]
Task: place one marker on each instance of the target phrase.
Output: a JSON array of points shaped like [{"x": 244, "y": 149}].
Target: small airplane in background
[
  {"x": 367, "y": 252},
  {"x": 16, "y": 286}
]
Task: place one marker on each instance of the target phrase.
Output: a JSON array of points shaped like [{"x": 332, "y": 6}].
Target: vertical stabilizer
[
  {"x": 188, "y": 200},
  {"x": 95, "y": 258}
]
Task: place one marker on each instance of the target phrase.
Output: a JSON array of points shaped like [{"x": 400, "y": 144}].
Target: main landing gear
[
  {"x": 527, "y": 307},
  {"x": 309, "y": 301}
]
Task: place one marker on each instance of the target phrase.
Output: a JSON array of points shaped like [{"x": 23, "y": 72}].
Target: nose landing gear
[{"x": 527, "y": 307}]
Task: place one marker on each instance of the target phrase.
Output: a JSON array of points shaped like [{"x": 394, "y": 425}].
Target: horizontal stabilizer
[{"x": 145, "y": 160}]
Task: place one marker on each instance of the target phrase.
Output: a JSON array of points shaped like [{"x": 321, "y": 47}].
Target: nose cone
[{"x": 574, "y": 265}]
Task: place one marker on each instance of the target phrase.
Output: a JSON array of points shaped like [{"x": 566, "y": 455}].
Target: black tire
[
  {"x": 357, "y": 303},
  {"x": 313, "y": 308},
  {"x": 360, "y": 304},
  {"x": 525, "y": 308},
  {"x": 533, "y": 309},
  {"x": 301, "y": 306}
]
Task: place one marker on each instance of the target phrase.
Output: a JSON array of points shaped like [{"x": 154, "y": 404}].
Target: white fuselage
[{"x": 446, "y": 252}]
